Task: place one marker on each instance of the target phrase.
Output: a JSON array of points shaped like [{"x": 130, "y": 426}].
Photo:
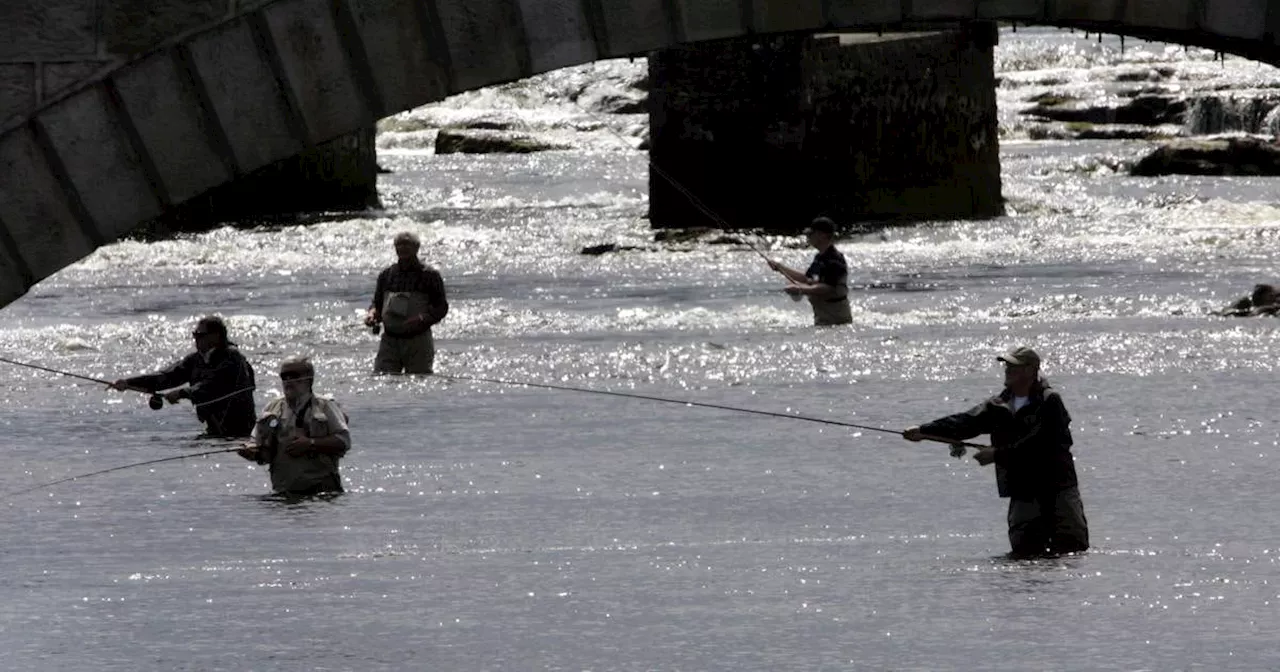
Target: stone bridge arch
[{"x": 279, "y": 76}]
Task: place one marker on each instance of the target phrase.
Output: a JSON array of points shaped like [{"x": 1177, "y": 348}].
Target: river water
[{"x": 491, "y": 527}]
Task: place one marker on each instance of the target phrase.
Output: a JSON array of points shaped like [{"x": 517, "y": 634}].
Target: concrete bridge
[{"x": 263, "y": 81}]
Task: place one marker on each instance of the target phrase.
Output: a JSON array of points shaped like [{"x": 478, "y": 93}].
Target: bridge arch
[{"x": 214, "y": 104}]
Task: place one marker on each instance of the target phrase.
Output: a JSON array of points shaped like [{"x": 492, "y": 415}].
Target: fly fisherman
[
  {"x": 1031, "y": 448},
  {"x": 408, "y": 300},
  {"x": 216, "y": 378},
  {"x": 826, "y": 281},
  {"x": 300, "y": 435}
]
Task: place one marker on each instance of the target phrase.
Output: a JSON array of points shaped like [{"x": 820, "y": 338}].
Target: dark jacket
[
  {"x": 1032, "y": 446},
  {"x": 226, "y": 373}
]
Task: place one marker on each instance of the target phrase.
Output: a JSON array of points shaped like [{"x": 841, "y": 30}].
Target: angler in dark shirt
[
  {"x": 216, "y": 378},
  {"x": 1031, "y": 449},
  {"x": 826, "y": 281},
  {"x": 408, "y": 300}
]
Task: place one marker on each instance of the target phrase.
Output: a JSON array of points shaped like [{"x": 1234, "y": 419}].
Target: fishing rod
[
  {"x": 693, "y": 199},
  {"x": 119, "y": 468},
  {"x": 773, "y": 414},
  {"x": 156, "y": 402},
  {"x": 61, "y": 373}
]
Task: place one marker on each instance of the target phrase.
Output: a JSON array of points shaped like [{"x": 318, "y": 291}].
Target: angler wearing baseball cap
[
  {"x": 1031, "y": 450},
  {"x": 826, "y": 282}
]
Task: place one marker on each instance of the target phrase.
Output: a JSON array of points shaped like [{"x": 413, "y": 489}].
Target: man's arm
[
  {"x": 336, "y": 443},
  {"x": 961, "y": 426},
  {"x": 787, "y": 272},
  {"x": 379, "y": 295},
  {"x": 437, "y": 300},
  {"x": 1273, "y": 309},
  {"x": 807, "y": 288},
  {"x": 177, "y": 374},
  {"x": 263, "y": 433}
]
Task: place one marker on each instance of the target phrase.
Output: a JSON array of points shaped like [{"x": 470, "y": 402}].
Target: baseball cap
[
  {"x": 1020, "y": 356},
  {"x": 823, "y": 225}
]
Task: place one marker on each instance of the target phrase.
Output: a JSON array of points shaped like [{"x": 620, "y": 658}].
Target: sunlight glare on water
[{"x": 491, "y": 527}]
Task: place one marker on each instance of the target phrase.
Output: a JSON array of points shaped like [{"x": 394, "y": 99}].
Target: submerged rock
[
  {"x": 597, "y": 250},
  {"x": 1142, "y": 110},
  {"x": 1242, "y": 155},
  {"x": 481, "y": 141}
]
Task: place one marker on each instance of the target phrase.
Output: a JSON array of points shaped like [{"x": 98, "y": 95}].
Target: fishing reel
[
  {"x": 156, "y": 402},
  {"x": 958, "y": 450},
  {"x": 267, "y": 450}
]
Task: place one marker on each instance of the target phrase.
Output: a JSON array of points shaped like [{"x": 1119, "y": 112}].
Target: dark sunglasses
[
  {"x": 292, "y": 375},
  {"x": 198, "y": 334}
]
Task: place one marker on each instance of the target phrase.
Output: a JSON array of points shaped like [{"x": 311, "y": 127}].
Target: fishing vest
[
  {"x": 398, "y": 307},
  {"x": 280, "y": 425}
]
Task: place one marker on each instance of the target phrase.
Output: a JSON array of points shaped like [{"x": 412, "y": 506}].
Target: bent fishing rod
[
  {"x": 119, "y": 468},
  {"x": 702, "y": 404}
]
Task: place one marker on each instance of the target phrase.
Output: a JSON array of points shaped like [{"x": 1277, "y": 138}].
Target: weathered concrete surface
[
  {"x": 85, "y": 136},
  {"x": 58, "y": 77},
  {"x": 246, "y": 98},
  {"x": 131, "y": 26},
  {"x": 334, "y": 176},
  {"x": 36, "y": 29},
  {"x": 17, "y": 89},
  {"x": 158, "y": 98},
  {"x": 771, "y": 133},
  {"x": 258, "y": 86},
  {"x": 42, "y": 227},
  {"x": 170, "y": 119}
]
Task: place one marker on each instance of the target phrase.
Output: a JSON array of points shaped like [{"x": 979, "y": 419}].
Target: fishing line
[
  {"x": 65, "y": 373},
  {"x": 156, "y": 401},
  {"x": 703, "y": 404},
  {"x": 693, "y": 199},
  {"x": 107, "y": 471}
]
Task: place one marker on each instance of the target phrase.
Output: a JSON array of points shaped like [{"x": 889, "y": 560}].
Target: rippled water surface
[{"x": 492, "y": 527}]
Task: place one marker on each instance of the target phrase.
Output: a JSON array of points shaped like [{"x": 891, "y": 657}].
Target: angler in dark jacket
[
  {"x": 1031, "y": 450},
  {"x": 216, "y": 378},
  {"x": 408, "y": 299}
]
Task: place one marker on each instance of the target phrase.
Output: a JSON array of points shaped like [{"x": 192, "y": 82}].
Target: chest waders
[
  {"x": 832, "y": 310},
  {"x": 403, "y": 348}
]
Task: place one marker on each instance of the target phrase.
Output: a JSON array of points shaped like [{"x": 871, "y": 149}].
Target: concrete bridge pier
[{"x": 769, "y": 132}]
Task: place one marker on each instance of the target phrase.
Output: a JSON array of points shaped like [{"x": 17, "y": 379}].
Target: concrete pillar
[
  {"x": 772, "y": 131},
  {"x": 340, "y": 175}
]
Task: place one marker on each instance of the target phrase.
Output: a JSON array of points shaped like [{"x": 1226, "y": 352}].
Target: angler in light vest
[
  {"x": 408, "y": 300},
  {"x": 826, "y": 282},
  {"x": 300, "y": 436}
]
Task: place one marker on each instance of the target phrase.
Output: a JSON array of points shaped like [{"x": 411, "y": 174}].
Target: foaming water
[{"x": 503, "y": 527}]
